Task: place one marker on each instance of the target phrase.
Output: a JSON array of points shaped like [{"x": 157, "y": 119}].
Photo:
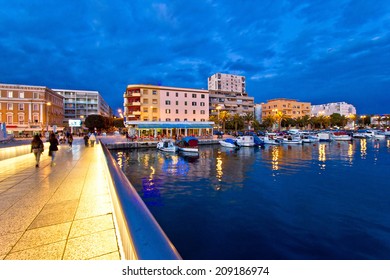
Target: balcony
[
  {"x": 137, "y": 112},
  {"x": 132, "y": 94}
]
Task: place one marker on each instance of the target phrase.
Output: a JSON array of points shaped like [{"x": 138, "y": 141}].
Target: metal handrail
[{"x": 142, "y": 237}]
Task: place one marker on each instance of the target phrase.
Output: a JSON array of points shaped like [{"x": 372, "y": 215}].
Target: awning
[{"x": 170, "y": 125}]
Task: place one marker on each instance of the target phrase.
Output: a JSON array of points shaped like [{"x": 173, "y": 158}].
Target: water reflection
[
  {"x": 363, "y": 148},
  {"x": 322, "y": 155},
  {"x": 275, "y": 158}
]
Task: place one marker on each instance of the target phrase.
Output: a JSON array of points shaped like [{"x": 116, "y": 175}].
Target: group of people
[
  {"x": 37, "y": 148},
  {"x": 89, "y": 139}
]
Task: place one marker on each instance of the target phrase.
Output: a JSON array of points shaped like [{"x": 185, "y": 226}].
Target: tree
[
  {"x": 237, "y": 120},
  {"x": 118, "y": 122},
  {"x": 96, "y": 121},
  {"x": 268, "y": 122},
  {"x": 224, "y": 116},
  {"x": 248, "y": 118}
]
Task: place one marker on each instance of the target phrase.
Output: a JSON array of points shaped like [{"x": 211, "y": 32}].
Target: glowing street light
[
  {"x": 218, "y": 108},
  {"x": 120, "y": 113},
  {"x": 47, "y": 116}
]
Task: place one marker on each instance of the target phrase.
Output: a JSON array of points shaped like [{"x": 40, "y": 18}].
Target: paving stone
[{"x": 53, "y": 251}]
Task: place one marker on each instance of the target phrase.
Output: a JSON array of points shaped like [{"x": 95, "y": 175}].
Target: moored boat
[
  {"x": 289, "y": 139},
  {"x": 229, "y": 143},
  {"x": 324, "y": 137},
  {"x": 270, "y": 139},
  {"x": 167, "y": 145},
  {"x": 340, "y": 136},
  {"x": 188, "y": 144}
]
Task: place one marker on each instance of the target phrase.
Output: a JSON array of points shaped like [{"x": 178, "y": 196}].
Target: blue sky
[{"x": 313, "y": 51}]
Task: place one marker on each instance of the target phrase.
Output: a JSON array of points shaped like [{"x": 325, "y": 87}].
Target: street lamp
[
  {"x": 120, "y": 113},
  {"x": 218, "y": 108},
  {"x": 47, "y": 116}
]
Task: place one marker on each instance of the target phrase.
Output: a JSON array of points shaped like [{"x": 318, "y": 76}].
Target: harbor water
[{"x": 312, "y": 201}]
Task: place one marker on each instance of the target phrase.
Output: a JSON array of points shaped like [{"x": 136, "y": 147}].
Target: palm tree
[
  {"x": 248, "y": 118},
  {"x": 268, "y": 121},
  {"x": 236, "y": 120},
  {"x": 279, "y": 116},
  {"x": 224, "y": 116}
]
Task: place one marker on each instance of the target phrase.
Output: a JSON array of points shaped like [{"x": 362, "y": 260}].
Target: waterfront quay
[
  {"x": 61, "y": 212},
  {"x": 82, "y": 208}
]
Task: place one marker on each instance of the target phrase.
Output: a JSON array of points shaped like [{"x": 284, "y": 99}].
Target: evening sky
[{"x": 315, "y": 51}]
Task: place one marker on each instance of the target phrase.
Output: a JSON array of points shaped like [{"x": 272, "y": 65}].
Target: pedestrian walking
[
  {"x": 86, "y": 140},
  {"x": 70, "y": 140},
  {"x": 53, "y": 147},
  {"x": 92, "y": 139},
  {"x": 37, "y": 148}
]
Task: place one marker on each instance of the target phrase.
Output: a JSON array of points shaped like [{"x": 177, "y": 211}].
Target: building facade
[
  {"x": 328, "y": 109},
  {"x": 79, "y": 104},
  {"x": 161, "y": 103},
  {"x": 290, "y": 107},
  {"x": 30, "y": 109},
  {"x": 228, "y": 92}
]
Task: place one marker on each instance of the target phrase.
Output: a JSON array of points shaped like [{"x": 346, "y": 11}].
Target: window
[
  {"x": 194, "y": 120},
  {"x": 168, "y": 120},
  {"x": 177, "y": 94},
  {"x": 177, "y": 120},
  {"x": 202, "y": 112},
  {"x": 154, "y": 119},
  {"x": 202, "y": 104},
  {"x": 145, "y": 92},
  {"x": 185, "y": 94},
  {"x": 177, "y": 102},
  {"x": 185, "y": 111},
  {"x": 167, "y": 102},
  {"x": 154, "y": 92},
  {"x": 185, "y": 120},
  {"x": 10, "y": 94},
  {"x": 154, "y": 110},
  {"x": 145, "y": 109},
  {"x": 177, "y": 111},
  {"x": 35, "y": 95},
  {"x": 21, "y": 107},
  {"x": 9, "y": 119},
  {"x": 194, "y": 112},
  {"x": 145, "y": 119},
  {"x": 193, "y": 103},
  {"x": 35, "y": 107},
  {"x": 202, "y": 96},
  {"x": 185, "y": 103},
  {"x": 21, "y": 94},
  {"x": 202, "y": 120},
  {"x": 10, "y": 106},
  {"x": 154, "y": 101},
  {"x": 35, "y": 118},
  {"x": 21, "y": 119},
  {"x": 193, "y": 95},
  {"x": 167, "y": 93},
  {"x": 167, "y": 111},
  {"x": 146, "y": 101}
]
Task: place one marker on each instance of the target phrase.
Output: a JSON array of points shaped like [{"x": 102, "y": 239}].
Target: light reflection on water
[{"x": 316, "y": 201}]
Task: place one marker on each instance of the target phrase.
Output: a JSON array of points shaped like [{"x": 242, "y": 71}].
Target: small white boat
[
  {"x": 188, "y": 144},
  {"x": 167, "y": 145},
  {"x": 229, "y": 143},
  {"x": 308, "y": 138},
  {"x": 289, "y": 139},
  {"x": 324, "y": 137},
  {"x": 249, "y": 141},
  {"x": 376, "y": 134},
  {"x": 270, "y": 139},
  {"x": 362, "y": 134},
  {"x": 340, "y": 136}
]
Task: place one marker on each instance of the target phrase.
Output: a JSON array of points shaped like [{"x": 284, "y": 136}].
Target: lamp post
[
  {"x": 47, "y": 116},
  {"x": 120, "y": 113},
  {"x": 218, "y": 108}
]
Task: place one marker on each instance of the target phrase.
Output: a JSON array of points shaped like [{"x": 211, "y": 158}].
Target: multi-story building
[
  {"x": 290, "y": 107},
  {"x": 30, "y": 109},
  {"x": 258, "y": 111},
  {"x": 161, "y": 103},
  {"x": 328, "y": 109},
  {"x": 79, "y": 104},
  {"x": 228, "y": 92}
]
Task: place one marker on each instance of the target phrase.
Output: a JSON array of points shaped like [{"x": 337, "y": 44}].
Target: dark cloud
[{"x": 317, "y": 51}]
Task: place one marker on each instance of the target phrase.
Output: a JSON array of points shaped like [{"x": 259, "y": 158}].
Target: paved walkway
[{"x": 60, "y": 212}]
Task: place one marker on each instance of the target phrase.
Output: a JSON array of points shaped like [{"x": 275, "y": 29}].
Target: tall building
[
  {"x": 228, "y": 92},
  {"x": 290, "y": 107},
  {"x": 30, "y": 109},
  {"x": 79, "y": 104},
  {"x": 328, "y": 109},
  {"x": 161, "y": 103}
]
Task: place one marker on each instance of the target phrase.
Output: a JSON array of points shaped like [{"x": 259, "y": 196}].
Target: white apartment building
[
  {"x": 228, "y": 92},
  {"x": 166, "y": 104},
  {"x": 227, "y": 83},
  {"x": 328, "y": 109},
  {"x": 79, "y": 104}
]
